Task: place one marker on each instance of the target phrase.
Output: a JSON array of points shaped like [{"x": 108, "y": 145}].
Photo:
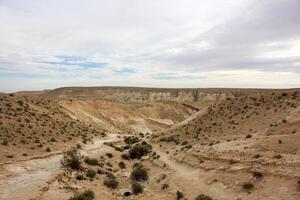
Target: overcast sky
[{"x": 165, "y": 43}]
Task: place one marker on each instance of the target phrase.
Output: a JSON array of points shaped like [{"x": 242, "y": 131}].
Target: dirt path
[
  {"x": 25, "y": 179},
  {"x": 188, "y": 119},
  {"x": 195, "y": 181}
]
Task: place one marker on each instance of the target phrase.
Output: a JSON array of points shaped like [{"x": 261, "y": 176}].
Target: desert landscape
[
  {"x": 147, "y": 143},
  {"x": 149, "y": 100}
]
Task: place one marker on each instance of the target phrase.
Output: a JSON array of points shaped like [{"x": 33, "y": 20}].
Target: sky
[{"x": 45, "y": 44}]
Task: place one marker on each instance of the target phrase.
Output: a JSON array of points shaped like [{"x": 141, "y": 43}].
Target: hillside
[
  {"x": 219, "y": 144},
  {"x": 32, "y": 126},
  {"x": 240, "y": 136}
]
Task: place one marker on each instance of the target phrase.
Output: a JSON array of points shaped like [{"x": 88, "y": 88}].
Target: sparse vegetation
[
  {"x": 72, "y": 159},
  {"x": 203, "y": 197},
  {"x": 122, "y": 165},
  {"x": 216, "y": 139},
  {"x": 164, "y": 186},
  {"x": 248, "y": 186},
  {"x": 86, "y": 195},
  {"x": 91, "y": 173},
  {"x": 111, "y": 182},
  {"x": 278, "y": 156},
  {"x": 131, "y": 140},
  {"x": 91, "y": 161},
  {"x": 136, "y": 188},
  {"x": 139, "y": 173},
  {"x": 4, "y": 142},
  {"x": 179, "y": 195},
  {"x": 138, "y": 151},
  {"x": 258, "y": 174}
]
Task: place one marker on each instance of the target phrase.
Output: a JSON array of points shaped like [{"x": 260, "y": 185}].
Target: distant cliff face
[{"x": 140, "y": 94}]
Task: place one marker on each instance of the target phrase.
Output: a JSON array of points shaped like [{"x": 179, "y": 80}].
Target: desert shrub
[
  {"x": 248, "y": 136},
  {"x": 86, "y": 195},
  {"x": 136, "y": 188},
  {"x": 91, "y": 173},
  {"x": 122, "y": 165},
  {"x": 248, "y": 186},
  {"x": 258, "y": 174},
  {"x": 100, "y": 171},
  {"x": 139, "y": 173},
  {"x": 256, "y": 156},
  {"x": 72, "y": 159},
  {"x": 79, "y": 177},
  {"x": 20, "y": 102},
  {"x": 111, "y": 182},
  {"x": 4, "y": 142},
  {"x": 91, "y": 161},
  {"x": 138, "y": 151},
  {"x": 109, "y": 155},
  {"x": 179, "y": 195},
  {"x": 278, "y": 156},
  {"x": 164, "y": 186},
  {"x": 131, "y": 140},
  {"x": 203, "y": 197},
  {"x": 232, "y": 161},
  {"x": 125, "y": 156}
]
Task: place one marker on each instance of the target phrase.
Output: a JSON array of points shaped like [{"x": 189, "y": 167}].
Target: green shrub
[
  {"x": 79, "y": 177},
  {"x": 139, "y": 173},
  {"x": 91, "y": 161},
  {"x": 111, "y": 182},
  {"x": 248, "y": 186},
  {"x": 136, "y": 188},
  {"x": 138, "y": 151},
  {"x": 248, "y": 136},
  {"x": 125, "y": 156},
  {"x": 131, "y": 140},
  {"x": 72, "y": 159},
  {"x": 122, "y": 165},
  {"x": 91, "y": 173},
  {"x": 4, "y": 142},
  {"x": 109, "y": 155},
  {"x": 278, "y": 156},
  {"x": 203, "y": 197},
  {"x": 164, "y": 186},
  {"x": 258, "y": 174},
  {"x": 20, "y": 102},
  {"x": 179, "y": 195},
  {"x": 86, "y": 195}
]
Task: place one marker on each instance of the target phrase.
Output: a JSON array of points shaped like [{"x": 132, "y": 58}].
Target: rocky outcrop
[{"x": 126, "y": 94}]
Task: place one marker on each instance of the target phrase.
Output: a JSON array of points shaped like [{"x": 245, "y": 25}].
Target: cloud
[
  {"x": 165, "y": 43},
  {"x": 76, "y": 61},
  {"x": 125, "y": 70},
  {"x": 241, "y": 42},
  {"x": 175, "y": 76}
]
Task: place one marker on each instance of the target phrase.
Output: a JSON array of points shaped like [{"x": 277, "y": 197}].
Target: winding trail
[
  {"x": 194, "y": 180},
  {"x": 32, "y": 175}
]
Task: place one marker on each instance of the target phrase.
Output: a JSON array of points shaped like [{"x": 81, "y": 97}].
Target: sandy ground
[{"x": 26, "y": 179}]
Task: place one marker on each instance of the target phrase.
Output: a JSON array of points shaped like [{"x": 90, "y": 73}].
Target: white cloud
[{"x": 183, "y": 38}]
